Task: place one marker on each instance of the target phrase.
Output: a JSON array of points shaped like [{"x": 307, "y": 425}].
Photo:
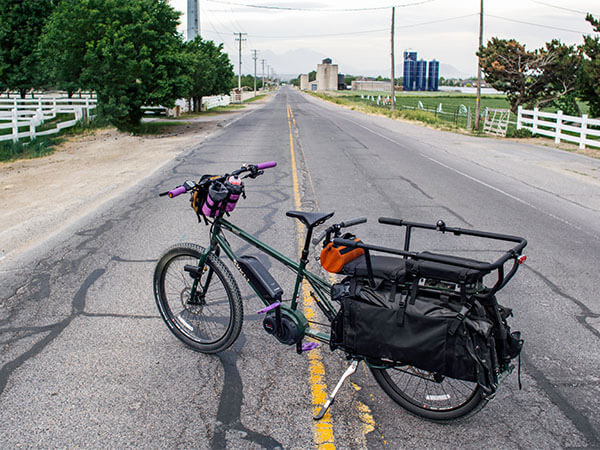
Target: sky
[{"x": 294, "y": 36}]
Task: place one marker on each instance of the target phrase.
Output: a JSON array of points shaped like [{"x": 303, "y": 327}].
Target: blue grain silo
[
  {"x": 421, "y": 78},
  {"x": 433, "y": 77},
  {"x": 410, "y": 71}
]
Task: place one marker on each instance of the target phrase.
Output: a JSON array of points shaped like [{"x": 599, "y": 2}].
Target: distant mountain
[{"x": 449, "y": 71}]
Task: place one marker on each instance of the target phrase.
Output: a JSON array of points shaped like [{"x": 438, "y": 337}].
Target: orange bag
[{"x": 334, "y": 258}]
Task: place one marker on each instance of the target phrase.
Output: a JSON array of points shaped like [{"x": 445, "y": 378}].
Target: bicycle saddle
[{"x": 310, "y": 219}]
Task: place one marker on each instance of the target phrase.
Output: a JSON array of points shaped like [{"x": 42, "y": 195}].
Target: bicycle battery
[{"x": 260, "y": 278}]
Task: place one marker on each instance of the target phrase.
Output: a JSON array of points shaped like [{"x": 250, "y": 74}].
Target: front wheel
[
  {"x": 202, "y": 308},
  {"x": 430, "y": 395}
]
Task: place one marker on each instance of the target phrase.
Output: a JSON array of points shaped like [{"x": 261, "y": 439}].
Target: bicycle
[{"x": 200, "y": 302}]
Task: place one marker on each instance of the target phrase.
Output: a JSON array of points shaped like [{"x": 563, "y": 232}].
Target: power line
[
  {"x": 289, "y": 8},
  {"x": 535, "y": 24},
  {"x": 559, "y": 7},
  {"x": 350, "y": 33},
  {"x": 437, "y": 21}
]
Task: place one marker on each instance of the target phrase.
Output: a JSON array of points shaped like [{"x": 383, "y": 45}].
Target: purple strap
[
  {"x": 307, "y": 346},
  {"x": 266, "y": 165},
  {"x": 269, "y": 308},
  {"x": 175, "y": 192}
]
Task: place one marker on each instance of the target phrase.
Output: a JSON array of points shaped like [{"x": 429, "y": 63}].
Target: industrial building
[
  {"x": 419, "y": 77},
  {"x": 371, "y": 85},
  {"x": 328, "y": 78}
]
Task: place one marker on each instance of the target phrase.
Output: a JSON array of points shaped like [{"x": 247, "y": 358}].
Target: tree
[
  {"x": 63, "y": 44},
  {"x": 21, "y": 22},
  {"x": 210, "y": 70},
  {"x": 532, "y": 78},
  {"x": 561, "y": 77},
  {"x": 589, "y": 87},
  {"x": 312, "y": 75},
  {"x": 133, "y": 54}
]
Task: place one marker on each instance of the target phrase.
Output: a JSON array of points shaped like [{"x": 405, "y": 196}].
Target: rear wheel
[
  {"x": 430, "y": 395},
  {"x": 209, "y": 321}
]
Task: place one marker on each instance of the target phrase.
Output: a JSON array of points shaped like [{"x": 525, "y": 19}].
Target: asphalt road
[{"x": 87, "y": 362}]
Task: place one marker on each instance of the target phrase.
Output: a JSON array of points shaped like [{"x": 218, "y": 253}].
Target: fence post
[
  {"x": 53, "y": 108},
  {"x": 469, "y": 118},
  {"x": 15, "y": 125},
  {"x": 583, "y": 131},
  {"x": 534, "y": 126},
  {"x": 559, "y": 114},
  {"x": 519, "y": 117},
  {"x": 32, "y": 123}
]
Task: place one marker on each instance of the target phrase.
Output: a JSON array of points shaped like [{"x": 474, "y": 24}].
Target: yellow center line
[
  {"x": 323, "y": 429},
  {"x": 364, "y": 412}
]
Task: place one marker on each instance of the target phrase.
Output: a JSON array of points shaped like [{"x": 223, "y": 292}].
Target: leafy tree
[
  {"x": 63, "y": 44},
  {"x": 21, "y": 22},
  {"x": 590, "y": 73},
  {"x": 312, "y": 75},
  {"x": 248, "y": 81},
  {"x": 133, "y": 54},
  {"x": 210, "y": 70},
  {"x": 560, "y": 76},
  {"x": 532, "y": 78}
]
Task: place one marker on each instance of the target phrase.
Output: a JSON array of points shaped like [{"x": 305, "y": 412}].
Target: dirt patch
[{"x": 39, "y": 197}]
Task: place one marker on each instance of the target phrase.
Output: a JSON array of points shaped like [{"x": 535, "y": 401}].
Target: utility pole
[
  {"x": 254, "y": 57},
  {"x": 263, "y": 74},
  {"x": 478, "y": 101},
  {"x": 240, "y": 39},
  {"x": 269, "y": 74},
  {"x": 393, "y": 105},
  {"x": 193, "y": 19}
]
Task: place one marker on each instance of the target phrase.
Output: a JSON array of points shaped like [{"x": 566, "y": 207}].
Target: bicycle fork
[{"x": 331, "y": 398}]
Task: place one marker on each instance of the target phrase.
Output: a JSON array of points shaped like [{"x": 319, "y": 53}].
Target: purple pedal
[
  {"x": 307, "y": 346},
  {"x": 269, "y": 308}
]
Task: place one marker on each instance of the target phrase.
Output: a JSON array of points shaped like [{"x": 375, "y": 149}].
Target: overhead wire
[
  {"x": 534, "y": 24},
  {"x": 577, "y": 11},
  {"x": 291, "y": 8}
]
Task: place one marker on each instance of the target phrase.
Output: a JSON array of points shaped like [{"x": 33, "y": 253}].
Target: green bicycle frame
[{"x": 320, "y": 287}]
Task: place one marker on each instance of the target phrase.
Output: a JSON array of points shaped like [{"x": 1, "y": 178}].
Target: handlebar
[
  {"x": 337, "y": 227},
  {"x": 254, "y": 169}
]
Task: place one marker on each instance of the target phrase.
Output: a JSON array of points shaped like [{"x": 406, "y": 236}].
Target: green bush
[{"x": 522, "y": 133}]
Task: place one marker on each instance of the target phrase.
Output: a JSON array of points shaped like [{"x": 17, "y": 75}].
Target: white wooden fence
[
  {"x": 214, "y": 101},
  {"x": 554, "y": 125},
  {"x": 18, "y": 113}
]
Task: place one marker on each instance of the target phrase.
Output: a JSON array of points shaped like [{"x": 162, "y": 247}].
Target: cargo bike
[{"x": 427, "y": 325}]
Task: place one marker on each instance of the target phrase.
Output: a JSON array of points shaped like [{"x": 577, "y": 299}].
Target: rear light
[{"x": 521, "y": 259}]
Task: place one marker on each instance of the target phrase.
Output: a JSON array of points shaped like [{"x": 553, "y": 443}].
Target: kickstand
[{"x": 349, "y": 371}]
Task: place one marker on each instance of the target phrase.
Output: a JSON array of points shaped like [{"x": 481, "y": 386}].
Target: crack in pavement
[{"x": 77, "y": 307}]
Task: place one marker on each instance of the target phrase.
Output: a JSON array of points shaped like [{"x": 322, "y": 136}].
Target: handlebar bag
[
  {"x": 333, "y": 258},
  {"x": 215, "y": 203}
]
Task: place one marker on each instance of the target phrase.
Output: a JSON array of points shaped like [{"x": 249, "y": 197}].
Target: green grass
[
  {"x": 154, "y": 127},
  {"x": 253, "y": 99},
  {"x": 42, "y": 146}
]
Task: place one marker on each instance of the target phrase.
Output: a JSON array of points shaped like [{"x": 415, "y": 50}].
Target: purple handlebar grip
[
  {"x": 175, "y": 192},
  {"x": 266, "y": 165},
  {"x": 269, "y": 308}
]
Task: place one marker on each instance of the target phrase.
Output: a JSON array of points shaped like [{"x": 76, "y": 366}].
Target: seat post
[{"x": 306, "y": 248}]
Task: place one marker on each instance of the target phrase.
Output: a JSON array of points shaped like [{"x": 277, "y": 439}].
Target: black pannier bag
[{"x": 405, "y": 321}]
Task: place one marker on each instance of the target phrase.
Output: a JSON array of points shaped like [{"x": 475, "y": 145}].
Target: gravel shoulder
[{"x": 40, "y": 197}]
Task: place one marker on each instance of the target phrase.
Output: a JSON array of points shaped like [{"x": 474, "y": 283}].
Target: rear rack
[{"x": 513, "y": 253}]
